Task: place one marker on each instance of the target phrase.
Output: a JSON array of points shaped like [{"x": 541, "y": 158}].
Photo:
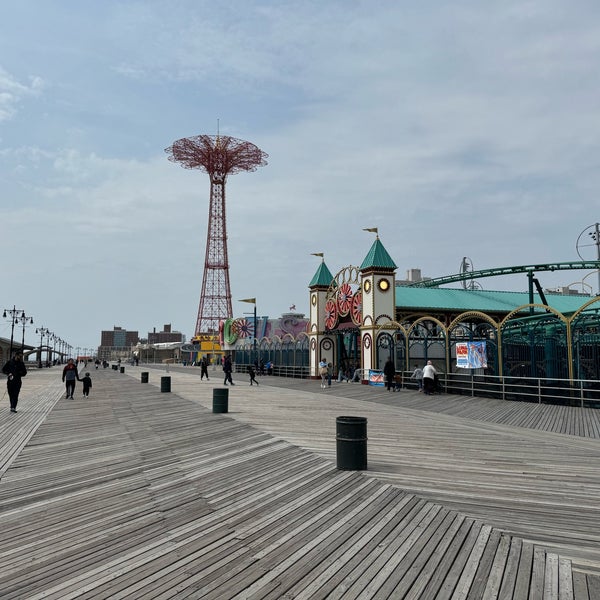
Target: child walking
[
  {"x": 252, "y": 374},
  {"x": 87, "y": 384}
]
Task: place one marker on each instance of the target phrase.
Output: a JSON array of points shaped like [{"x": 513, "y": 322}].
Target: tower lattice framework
[{"x": 219, "y": 156}]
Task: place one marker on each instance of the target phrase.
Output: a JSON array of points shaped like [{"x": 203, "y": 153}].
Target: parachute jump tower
[{"x": 219, "y": 156}]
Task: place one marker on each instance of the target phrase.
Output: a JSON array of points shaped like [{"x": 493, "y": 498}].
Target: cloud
[
  {"x": 456, "y": 129},
  {"x": 12, "y": 92}
]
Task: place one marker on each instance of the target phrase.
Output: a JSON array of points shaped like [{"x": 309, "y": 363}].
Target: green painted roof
[
  {"x": 323, "y": 276},
  {"x": 427, "y": 299},
  {"x": 378, "y": 258}
]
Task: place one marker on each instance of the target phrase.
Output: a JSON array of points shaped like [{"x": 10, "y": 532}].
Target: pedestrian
[
  {"x": 389, "y": 370},
  {"x": 323, "y": 370},
  {"x": 418, "y": 375},
  {"x": 429, "y": 374},
  {"x": 14, "y": 370},
  {"x": 204, "y": 368},
  {"x": 252, "y": 374},
  {"x": 342, "y": 376},
  {"x": 87, "y": 384},
  {"x": 69, "y": 376},
  {"x": 228, "y": 368},
  {"x": 329, "y": 374}
]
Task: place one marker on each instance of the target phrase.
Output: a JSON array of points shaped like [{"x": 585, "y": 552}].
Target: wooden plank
[
  {"x": 497, "y": 571},
  {"x": 580, "y": 588},
  {"x": 551, "y": 577},
  {"x": 511, "y": 570},
  {"x": 536, "y": 587},
  {"x": 565, "y": 580}
]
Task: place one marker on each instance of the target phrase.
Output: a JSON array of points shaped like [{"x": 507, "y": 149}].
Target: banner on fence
[
  {"x": 471, "y": 355},
  {"x": 376, "y": 378}
]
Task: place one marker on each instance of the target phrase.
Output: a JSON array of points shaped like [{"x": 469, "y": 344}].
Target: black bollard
[
  {"x": 220, "y": 400},
  {"x": 351, "y": 443},
  {"x": 144, "y": 377},
  {"x": 165, "y": 384},
  {"x": 122, "y": 369}
]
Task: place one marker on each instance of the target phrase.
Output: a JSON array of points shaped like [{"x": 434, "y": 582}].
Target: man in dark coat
[
  {"x": 14, "y": 369},
  {"x": 228, "y": 368},
  {"x": 204, "y": 369},
  {"x": 389, "y": 370}
]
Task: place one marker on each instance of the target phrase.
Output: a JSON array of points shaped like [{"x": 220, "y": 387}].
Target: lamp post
[
  {"x": 55, "y": 339},
  {"x": 25, "y": 320},
  {"x": 253, "y": 301},
  {"x": 42, "y": 331},
  {"x": 15, "y": 315},
  {"x": 593, "y": 232},
  {"x": 595, "y": 235}
]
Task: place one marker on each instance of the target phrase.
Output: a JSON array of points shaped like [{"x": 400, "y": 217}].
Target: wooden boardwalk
[{"x": 134, "y": 493}]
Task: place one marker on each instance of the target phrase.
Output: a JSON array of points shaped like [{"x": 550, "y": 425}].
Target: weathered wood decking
[{"x": 137, "y": 494}]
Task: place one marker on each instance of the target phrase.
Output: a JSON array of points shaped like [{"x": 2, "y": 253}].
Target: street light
[
  {"x": 25, "y": 320},
  {"x": 593, "y": 232},
  {"x": 55, "y": 339},
  {"x": 15, "y": 315},
  {"x": 253, "y": 301},
  {"x": 42, "y": 331}
]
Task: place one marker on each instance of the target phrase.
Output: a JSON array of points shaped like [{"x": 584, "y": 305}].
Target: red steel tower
[{"x": 219, "y": 156}]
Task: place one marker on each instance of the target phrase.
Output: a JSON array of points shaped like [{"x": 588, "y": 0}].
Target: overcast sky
[{"x": 462, "y": 128}]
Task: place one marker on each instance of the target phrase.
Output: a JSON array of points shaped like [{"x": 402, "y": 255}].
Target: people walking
[
  {"x": 252, "y": 374},
  {"x": 14, "y": 370},
  {"x": 389, "y": 370},
  {"x": 204, "y": 369},
  {"x": 70, "y": 376},
  {"x": 228, "y": 368},
  {"x": 429, "y": 374},
  {"x": 417, "y": 374},
  {"x": 87, "y": 385},
  {"x": 323, "y": 372}
]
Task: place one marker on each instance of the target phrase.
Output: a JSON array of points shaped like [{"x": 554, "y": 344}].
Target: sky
[{"x": 456, "y": 128}]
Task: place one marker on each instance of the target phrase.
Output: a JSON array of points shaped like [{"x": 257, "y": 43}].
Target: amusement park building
[{"x": 361, "y": 316}]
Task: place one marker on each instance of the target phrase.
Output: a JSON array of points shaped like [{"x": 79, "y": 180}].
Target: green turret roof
[
  {"x": 378, "y": 258},
  {"x": 322, "y": 277}
]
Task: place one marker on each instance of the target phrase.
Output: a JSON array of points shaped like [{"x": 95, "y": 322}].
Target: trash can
[
  {"x": 351, "y": 443},
  {"x": 144, "y": 376},
  {"x": 165, "y": 384},
  {"x": 220, "y": 400},
  {"x": 114, "y": 367},
  {"x": 122, "y": 369}
]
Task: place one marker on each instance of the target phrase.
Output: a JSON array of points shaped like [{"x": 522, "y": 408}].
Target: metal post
[
  {"x": 15, "y": 315},
  {"x": 42, "y": 331},
  {"x": 596, "y": 237},
  {"x": 24, "y": 322}
]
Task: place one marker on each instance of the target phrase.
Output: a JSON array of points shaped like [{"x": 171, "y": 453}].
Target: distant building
[
  {"x": 165, "y": 336},
  {"x": 566, "y": 291},
  {"x": 412, "y": 276},
  {"x": 117, "y": 343}
]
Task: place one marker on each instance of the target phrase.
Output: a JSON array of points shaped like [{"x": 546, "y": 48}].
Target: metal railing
[
  {"x": 579, "y": 392},
  {"x": 582, "y": 393}
]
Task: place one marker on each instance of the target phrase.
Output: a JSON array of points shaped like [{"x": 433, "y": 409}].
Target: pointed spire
[
  {"x": 323, "y": 275},
  {"x": 378, "y": 258}
]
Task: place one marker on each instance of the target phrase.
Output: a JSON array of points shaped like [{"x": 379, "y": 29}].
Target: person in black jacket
[
  {"x": 204, "y": 369},
  {"x": 228, "y": 368},
  {"x": 15, "y": 370},
  {"x": 389, "y": 370}
]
